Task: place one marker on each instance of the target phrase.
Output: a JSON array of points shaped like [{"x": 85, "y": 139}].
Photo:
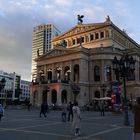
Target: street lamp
[
  {"x": 122, "y": 68},
  {"x": 75, "y": 89}
]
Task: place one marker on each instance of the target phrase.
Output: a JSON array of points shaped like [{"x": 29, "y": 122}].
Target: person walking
[
  {"x": 29, "y": 106},
  {"x": 102, "y": 108},
  {"x": 136, "y": 111},
  {"x": 1, "y": 111},
  {"x": 64, "y": 112},
  {"x": 70, "y": 111},
  {"x": 43, "y": 109},
  {"x": 76, "y": 123}
]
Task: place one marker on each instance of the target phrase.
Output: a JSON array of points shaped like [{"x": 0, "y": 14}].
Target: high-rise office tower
[{"x": 42, "y": 37}]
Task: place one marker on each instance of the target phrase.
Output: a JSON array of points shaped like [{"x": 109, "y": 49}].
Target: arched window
[
  {"x": 50, "y": 75},
  {"x": 54, "y": 96},
  {"x": 64, "y": 96},
  {"x": 96, "y": 73},
  {"x": 67, "y": 73},
  {"x": 107, "y": 73}
]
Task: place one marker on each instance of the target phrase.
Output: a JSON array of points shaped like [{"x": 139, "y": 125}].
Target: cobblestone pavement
[{"x": 20, "y": 124}]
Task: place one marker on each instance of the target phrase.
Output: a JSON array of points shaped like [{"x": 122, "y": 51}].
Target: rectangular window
[
  {"x": 91, "y": 37},
  {"x": 96, "y": 35},
  {"x": 80, "y": 40},
  {"x": 101, "y": 34},
  {"x": 73, "y": 41}
]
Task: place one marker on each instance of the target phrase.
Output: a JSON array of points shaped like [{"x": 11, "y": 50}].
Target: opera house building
[{"x": 80, "y": 67}]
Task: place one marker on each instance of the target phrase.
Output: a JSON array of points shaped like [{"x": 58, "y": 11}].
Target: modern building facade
[
  {"x": 82, "y": 65},
  {"x": 6, "y": 93},
  {"x": 42, "y": 42},
  {"x": 25, "y": 90},
  {"x": 14, "y": 87}
]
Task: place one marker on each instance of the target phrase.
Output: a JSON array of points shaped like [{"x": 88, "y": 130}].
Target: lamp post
[
  {"x": 121, "y": 68},
  {"x": 75, "y": 89}
]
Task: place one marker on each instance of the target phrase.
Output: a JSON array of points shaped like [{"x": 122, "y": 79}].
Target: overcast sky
[{"x": 18, "y": 17}]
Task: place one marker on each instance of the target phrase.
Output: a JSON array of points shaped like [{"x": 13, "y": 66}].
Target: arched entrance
[
  {"x": 54, "y": 96},
  {"x": 64, "y": 96}
]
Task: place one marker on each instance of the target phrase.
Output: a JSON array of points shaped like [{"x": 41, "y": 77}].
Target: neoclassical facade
[{"x": 82, "y": 57}]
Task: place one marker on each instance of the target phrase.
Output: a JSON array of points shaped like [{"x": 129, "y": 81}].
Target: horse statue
[{"x": 80, "y": 20}]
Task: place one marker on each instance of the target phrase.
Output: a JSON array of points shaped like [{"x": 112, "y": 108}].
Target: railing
[{"x": 50, "y": 81}]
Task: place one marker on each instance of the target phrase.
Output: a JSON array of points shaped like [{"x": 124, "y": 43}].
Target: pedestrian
[
  {"x": 76, "y": 123},
  {"x": 43, "y": 109},
  {"x": 70, "y": 111},
  {"x": 64, "y": 112},
  {"x": 102, "y": 108},
  {"x": 1, "y": 111},
  {"x": 136, "y": 111},
  {"x": 29, "y": 106}
]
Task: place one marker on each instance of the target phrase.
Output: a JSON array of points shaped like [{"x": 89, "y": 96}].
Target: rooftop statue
[
  {"x": 80, "y": 20},
  {"x": 108, "y": 18}
]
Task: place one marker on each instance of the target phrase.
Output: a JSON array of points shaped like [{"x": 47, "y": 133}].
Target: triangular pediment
[
  {"x": 80, "y": 28},
  {"x": 57, "y": 51}
]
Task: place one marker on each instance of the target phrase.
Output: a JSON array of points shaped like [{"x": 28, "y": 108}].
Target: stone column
[{"x": 102, "y": 71}]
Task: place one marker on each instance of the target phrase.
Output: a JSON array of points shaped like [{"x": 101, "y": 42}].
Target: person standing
[
  {"x": 136, "y": 111},
  {"x": 29, "y": 106},
  {"x": 1, "y": 111},
  {"x": 70, "y": 111},
  {"x": 76, "y": 123},
  {"x": 102, "y": 108},
  {"x": 64, "y": 112},
  {"x": 43, "y": 110}
]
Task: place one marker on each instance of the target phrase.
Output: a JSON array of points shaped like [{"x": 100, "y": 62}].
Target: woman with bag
[{"x": 76, "y": 123}]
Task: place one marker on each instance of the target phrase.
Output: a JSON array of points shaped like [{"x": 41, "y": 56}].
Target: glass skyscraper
[{"x": 42, "y": 37}]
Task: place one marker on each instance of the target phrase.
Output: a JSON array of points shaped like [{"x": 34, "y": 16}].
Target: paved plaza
[{"x": 21, "y": 124}]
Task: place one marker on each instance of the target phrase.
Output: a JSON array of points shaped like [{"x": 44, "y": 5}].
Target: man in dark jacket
[
  {"x": 70, "y": 111},
  {"x": 44, "y": 109}
]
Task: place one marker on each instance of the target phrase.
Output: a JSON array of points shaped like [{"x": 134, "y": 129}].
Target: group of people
[
  {"x": 66, "y": 109},
  {"x": 70, "y": 112},
  {"x": 74, "y": 115}
]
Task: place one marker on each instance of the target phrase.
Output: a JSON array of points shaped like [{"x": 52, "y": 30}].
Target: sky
[{"x": 19, "y": 17}]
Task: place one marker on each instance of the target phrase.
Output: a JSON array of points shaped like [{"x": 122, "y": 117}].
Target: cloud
[
  {"x": 18, "y": 17},
  {"x": 67, "y": 3}
]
